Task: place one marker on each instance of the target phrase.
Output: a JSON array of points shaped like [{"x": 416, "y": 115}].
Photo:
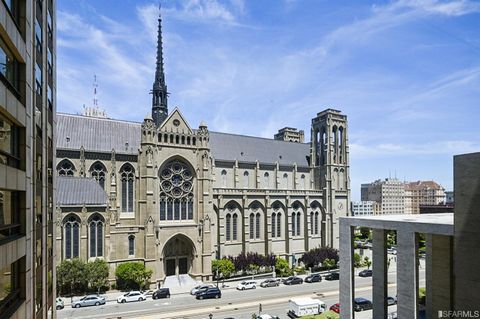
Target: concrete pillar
[
  {"x": 380, "y": 292},
  {"x": 347, "y": 282},
  {"x": 407, "y": 274},
  {"x": 438, "y": 274}
]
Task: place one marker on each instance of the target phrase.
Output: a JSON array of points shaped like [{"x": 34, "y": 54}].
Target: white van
[{"x": 300, "y": 307}]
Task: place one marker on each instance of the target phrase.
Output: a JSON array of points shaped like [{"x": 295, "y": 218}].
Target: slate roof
[
  {"x": 97, "y": 134},
  {"x": 80, "y": 191},
  {"x": 101, "y": 135}
]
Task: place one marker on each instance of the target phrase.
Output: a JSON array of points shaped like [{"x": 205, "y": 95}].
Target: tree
[
  {"x": 329, "y": 263},
  {"x": 71, "y": 276},
  {"x": 357, "y": 260},
  {"x": 222, "y": 268},
  {"x": 282, "y": 267},
  {"x": 365, "y": 232},
  {"x": 314, "y": 257},
  {"x": 97, "y": 274},
  {"x": 367, "y": 262},
  {"x": 132, "y": 275}
]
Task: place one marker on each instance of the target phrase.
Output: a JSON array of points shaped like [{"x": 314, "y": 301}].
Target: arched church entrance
[{"x": 178, "y": 255}]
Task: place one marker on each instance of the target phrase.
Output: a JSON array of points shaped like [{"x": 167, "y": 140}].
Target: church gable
[{"x": 176, "y": 123}]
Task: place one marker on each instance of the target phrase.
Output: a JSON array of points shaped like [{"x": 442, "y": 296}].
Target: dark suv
[
  {"x": 313, "y": 278},
  {"x": 361, "y": 304},
  {"x": 212, "y": 292},
  {"x": 161, "y": 293},
  {"x": 366, "y": 273},
  {"x": 293, "y": 280}
]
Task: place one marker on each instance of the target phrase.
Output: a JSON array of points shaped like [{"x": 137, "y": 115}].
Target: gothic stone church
[{"x": 174, "y": 197}]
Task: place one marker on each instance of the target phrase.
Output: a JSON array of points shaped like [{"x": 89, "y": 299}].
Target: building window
[
  {"x": 266, "y": 180},
  {"x": 176, "y": 192},
  {"x": 10, "y": 284},
  {"x": 224, "y": 178},
  {"x": 38, "y": 36},
  {"x": 228, "y": 226},
  {"x": 257, "y": 226},
  {"x": 131, "y": 245},
  {"x": 279, "y": 225},
  {"x": 96, "y": 236},
  {"x": 252, "y": 225},
  {"x": 9, "y": 141},
  {"x": 65, "y": 168},
  {"x": 127, "y": 176},
  {"x": 49, "y": 62},
  {"x": 298, "y": 223},
  {"x": 72, "y": 237},
  {"x": 9, "y": 215},
  {"x": 302, "y": 182},
  {"x": 316, "y": 222},
  {"x": 245, "y": 180},
  {"x": 312, "y": 216},
  {"x": 234, "y": 226},
  {"x": 9, "y": 68},
  {"x": 274, "y": 226},
  {"x": 294, "y": 214},
  {"x": 98, "y": 171}
]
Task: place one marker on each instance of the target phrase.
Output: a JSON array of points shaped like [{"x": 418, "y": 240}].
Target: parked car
[
  {"x": 361, "y": 304},
  {"x": 392, "y": 251},
  {"x": 391, "y": 300},
  {"x": 335, "y": 307},
  {"x": 270, "y": 283},
  {"x": 212, "y": 292},
  {"x": 366, "y": 273},
  {"x": 199, "y": 288},
  {"x": 293, "y": 280},
  {"x": 250, "y": 284},
  {"x": 89, "y": 300},
  {"x": 267, "y": 316},
  {"x": 131, "y": 296},
  {"x": 161, "y": 293},
  {"x": 59, "y": 303},
  {"x": 332, "y": 276},
  {"x": 313, "y": 278}
]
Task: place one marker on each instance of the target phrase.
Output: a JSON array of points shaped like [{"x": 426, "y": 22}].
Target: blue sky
[{"x": 407, "y": 73}]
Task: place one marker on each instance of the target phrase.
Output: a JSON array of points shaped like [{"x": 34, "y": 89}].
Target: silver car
[{"x": 90, "y": 300}]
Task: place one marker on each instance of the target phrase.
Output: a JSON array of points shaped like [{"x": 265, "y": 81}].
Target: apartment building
[
  {"x": 389, "y": 193},
  {"x": 366, "y": 208},
  {"x": 422, "y": 193},
  {"x": 27, "y": 124}
]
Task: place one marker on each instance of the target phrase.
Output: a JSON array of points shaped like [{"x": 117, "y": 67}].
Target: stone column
[
  {"x": 380, "y": 277},
  {"x": 407, "y": 275},
  {"x": 438, "y": 274},
  {"x": 347, "y": 282}
]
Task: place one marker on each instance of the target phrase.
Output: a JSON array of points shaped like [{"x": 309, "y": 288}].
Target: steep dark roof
[
  {"x": 101, "y": 135},
  {"x": 97, "y": 134},
  {"x": 80, "y": 191},
  {"x": 250, "y": 149}
]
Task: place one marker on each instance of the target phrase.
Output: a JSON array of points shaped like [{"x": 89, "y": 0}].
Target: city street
[{"x": 237, "y": 304}]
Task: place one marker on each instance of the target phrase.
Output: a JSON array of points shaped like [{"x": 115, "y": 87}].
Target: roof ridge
[
  {"x": 97, "y": 118},
  {"x": 259, "y": 137}
]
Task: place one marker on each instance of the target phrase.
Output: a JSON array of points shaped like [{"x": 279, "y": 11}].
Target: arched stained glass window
[
  {"x": 98, "y": 171},
  {"x": 228, "y": 226},
  {"x": 72, "y": 237},
  {"x": 131, "y": 245},
  {"x": 274, "y": 225},
  {"x": 127, "y": 177},
  {"x": 234, "y": 226},
  {"x": 176, "y": 191},
  {"x": 96, "y": 236},
  {"x": 65, "y": 168},
  {"x": 279, "y": 225},
  {"x": 224, "y": 178},
  {"x": 257, "y": 225}
]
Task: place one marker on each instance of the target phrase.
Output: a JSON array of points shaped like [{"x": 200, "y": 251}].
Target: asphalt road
[{"x": 237, "y": 304}]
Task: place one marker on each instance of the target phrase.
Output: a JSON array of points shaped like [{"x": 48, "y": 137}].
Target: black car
[
  {"x": 313, "y": 278},
  {"x": 361, "y": 304},
  {"x": 212, "y": 292},
  {"x": 293, "y": 280},
  {"x": 161, "y": 293},
  {"x": 332, "y": 276},
  {"x": 366, "y": 273}
]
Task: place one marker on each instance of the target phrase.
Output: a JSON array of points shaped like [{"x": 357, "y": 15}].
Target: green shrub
[
  {"x": 282, "y": 268},
  {"x": 224, "y": 266},
  {"x": 132, "y": 275}
]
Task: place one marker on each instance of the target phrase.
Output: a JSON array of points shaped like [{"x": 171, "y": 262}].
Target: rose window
[{"x": 176, "y": 192}]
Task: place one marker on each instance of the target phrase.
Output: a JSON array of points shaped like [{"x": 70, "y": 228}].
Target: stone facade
[{"x": 179, "y": 197}]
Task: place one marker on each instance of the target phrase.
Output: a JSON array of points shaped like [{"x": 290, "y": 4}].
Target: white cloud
[{"x": 449, "y": 8}]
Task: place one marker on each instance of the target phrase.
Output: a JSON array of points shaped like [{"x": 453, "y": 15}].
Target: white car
[
  {"x": 131, "y": 296},
  {"x": 198, "y": 288},
  {"x": 247, "y": 285}
]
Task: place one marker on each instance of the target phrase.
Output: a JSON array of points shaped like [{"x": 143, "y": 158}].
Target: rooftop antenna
[{"x": 95, "y": 86}]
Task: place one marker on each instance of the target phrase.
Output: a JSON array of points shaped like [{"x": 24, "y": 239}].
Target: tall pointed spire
[{"x": 159, "y": 91}]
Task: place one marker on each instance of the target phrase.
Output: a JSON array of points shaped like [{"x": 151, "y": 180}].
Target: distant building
[
  {"x": 449, "y": 199},
  {"x": 290, "y": 134},
  {"x": 422, "y": 193},
  {"x": 436, "y": 209},
  {"x": 366, "y": 208},
  {"x": 388, "y": 193}
]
